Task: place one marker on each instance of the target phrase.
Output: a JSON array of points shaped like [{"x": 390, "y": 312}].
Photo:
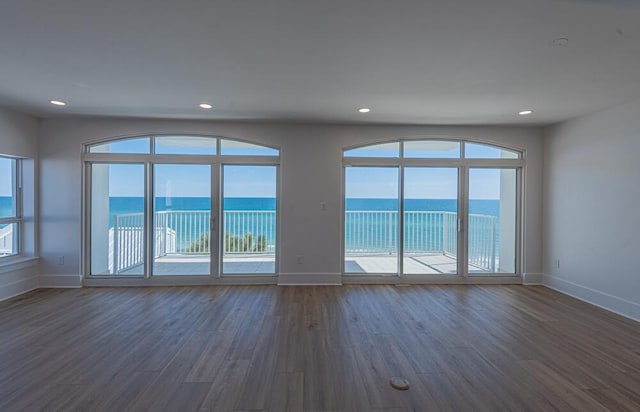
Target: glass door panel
[
  {"x": 117, "y": 219},
  {"x": 249, "y": 235},
  {"x": 371, "y": 220},
  {"x": 430, "y": 239},
  {"x": 492, "y": 221},
  {"x": 182, "y": 219}
]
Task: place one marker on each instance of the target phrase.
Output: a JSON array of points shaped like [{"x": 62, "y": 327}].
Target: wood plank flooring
[{"x": 239, "y": 348}]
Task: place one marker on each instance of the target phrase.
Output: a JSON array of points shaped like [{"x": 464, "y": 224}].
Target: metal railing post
[
  {"x": 390, "y": 233},
  {"x": 493, "y": 244},
  {"x": 445, "y": 232},
  {"x": 116, "y": 244}
]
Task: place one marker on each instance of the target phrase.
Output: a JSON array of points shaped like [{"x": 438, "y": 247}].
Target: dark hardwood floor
[{"x": 462, "y": 348}]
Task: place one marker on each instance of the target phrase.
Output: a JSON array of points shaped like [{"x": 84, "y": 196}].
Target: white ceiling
[{"x": 411, "y": 61}]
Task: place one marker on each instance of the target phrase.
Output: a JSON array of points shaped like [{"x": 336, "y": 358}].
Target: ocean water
[
  {"x": 381, "y": 225},
  {"x": 376, "y": 237},
  {"x": 126, "y": 205},
  {"x": 120, "y": 205}
]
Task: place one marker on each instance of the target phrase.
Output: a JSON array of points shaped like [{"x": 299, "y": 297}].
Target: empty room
[{"x": 319, "y": 206}]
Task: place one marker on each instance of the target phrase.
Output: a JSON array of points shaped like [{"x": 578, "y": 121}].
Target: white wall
[
  {"x": 592, "y": 198},
  {"x": 311, "y": 159},
  {"x": 19, "y": 137}
]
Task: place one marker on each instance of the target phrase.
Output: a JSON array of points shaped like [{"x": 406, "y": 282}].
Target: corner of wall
[
  {"x": 532, "y": 278},
  {"x": 18, "y": 277},
  {"x": 60, "y": 281},
  {"x": 594, "y": 297}
]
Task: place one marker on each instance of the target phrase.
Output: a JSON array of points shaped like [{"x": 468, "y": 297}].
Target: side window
[{"x": 10, "y": 207}]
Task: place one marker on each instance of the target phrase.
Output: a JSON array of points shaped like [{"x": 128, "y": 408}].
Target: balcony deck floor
[{"x": 426, "y": 263}]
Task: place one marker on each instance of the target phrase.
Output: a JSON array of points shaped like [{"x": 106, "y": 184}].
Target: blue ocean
[
  {"x": 124, "y": 205},
  {"x": 375, "y": 229},
  {"x": 380, "y": 220},
  {"x": 121, "y": 205}
]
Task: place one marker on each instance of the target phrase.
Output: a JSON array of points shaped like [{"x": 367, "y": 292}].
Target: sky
[
  {"x": 419, "y": 183},
  {"x": 260, "y": 181},
  {"x": 192, "y": 181},
  {"x": 6, "y": 186}
]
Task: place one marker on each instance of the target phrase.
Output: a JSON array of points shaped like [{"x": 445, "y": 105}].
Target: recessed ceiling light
[
  {"x": 58, "y": 103},
  {"x": 364, "y": 109},
  {"x": 525, "y": 112},
  {"x": 205, "y": 106}
]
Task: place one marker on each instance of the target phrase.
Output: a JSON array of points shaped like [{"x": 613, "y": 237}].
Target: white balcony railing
[
  {"x": 186, "y": 232},
  {"x": 254, "y": 232},
  {"x": 375, "y": 232},
  {"x": 7, "y": 240}
]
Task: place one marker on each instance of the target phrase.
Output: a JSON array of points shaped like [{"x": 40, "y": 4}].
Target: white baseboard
[
  {"x": 603, "y": 300},
  {"x": 532, "y": 279},
  {"x": 10, "y": 290},
  {"x": 299, "y": 279},
  {"x": 15, "y": 265},
  {"x": 60, "y": 281}
]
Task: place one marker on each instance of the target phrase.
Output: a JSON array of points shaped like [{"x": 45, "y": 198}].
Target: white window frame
[
  {"x": 16, "y": 219},
  {"x": 463, "y": 165},
  {"x": 217, "y": 162}
]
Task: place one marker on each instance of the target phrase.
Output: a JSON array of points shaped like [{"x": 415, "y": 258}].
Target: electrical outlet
[
  {"x": 60, "y": 260},
  {"x": 299, "y": 260}
]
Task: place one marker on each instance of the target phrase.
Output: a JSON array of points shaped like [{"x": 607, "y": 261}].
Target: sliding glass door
[
  {"x": 492, "y": 220},
  {"x": 430, "y": 240},
  {"x": 249, "y": 219},
  {"x": 182, "y": 219},
  {"x": 117, "y": 219},
  {"x": 371, "y": 220}
]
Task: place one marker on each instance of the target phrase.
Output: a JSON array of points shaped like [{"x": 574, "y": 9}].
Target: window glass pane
[
  {"x": 135, "y": 146},
  {"x": 8, "y": 239},
  {"x": 432, "y": 149},
  {"x": 483, "y": 151},
  {"x": 181, "y": 219},
  {"x": 378, "y": 150},
  {"x": 117, "y": 219},
  {"x": 7, "y": 187},
  {"x": 235, "y": 148},
  {"x": 249, "y": 219},
  {"x": 187, "y": 145},
  {"x": 430, "y": 220},
  {"x": 492, "y": 221},
  {"x": 371, "y": 220}
]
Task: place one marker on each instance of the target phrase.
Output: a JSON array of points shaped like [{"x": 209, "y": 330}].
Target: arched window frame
[
  {"x": 463, "y": 164},
  {"x": 217, "y": 160}
]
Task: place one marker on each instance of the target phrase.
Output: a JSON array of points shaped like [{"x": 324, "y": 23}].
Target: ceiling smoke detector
[{"x": 560, "y": 42}]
